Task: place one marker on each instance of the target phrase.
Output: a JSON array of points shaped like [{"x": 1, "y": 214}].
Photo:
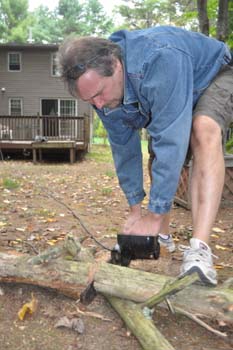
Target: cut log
[{"x": 72, "y": 277}]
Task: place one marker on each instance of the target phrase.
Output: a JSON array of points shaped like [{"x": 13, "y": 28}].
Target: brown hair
[{"x": 76, "y": 55}]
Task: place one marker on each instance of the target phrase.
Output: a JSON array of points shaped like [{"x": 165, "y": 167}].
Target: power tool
[{"x": 131, "y": 247}]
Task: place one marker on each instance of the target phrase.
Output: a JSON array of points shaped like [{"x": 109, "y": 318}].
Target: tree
[
  {"x": 83, "y": 18},
  {"x": 14, "y": 20},
  {"x": 96, "y": 21},
  {"x": 203, "y": 16},
  {"x": 146, "y": 13},
  {"x": 222, "y": 22},
  {"x": 46, "y": 27},
  {"x": 70, "y": 17},
  {"x": 215, "y": 13}
]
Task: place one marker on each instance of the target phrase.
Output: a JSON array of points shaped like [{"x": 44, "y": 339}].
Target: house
[{"x": 36, "y": 110}]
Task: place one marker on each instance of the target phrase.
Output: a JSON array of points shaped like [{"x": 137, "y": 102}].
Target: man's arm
[
  {"x": 126, "y": 150},
  {"x": 168, "y": 87}
]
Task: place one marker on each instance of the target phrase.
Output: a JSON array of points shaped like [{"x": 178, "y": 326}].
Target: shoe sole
[{"x": 203, "y": 279}]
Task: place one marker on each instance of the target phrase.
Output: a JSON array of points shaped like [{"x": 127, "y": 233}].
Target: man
[{"x": 178, "y": 85}]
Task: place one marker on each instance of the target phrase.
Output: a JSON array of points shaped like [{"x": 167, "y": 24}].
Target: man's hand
[
  {"x": 148, "y": 225},
  {"x": 134, "y": 215}
]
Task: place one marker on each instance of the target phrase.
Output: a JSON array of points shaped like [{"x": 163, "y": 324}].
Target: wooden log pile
[{"x": 132, "y": 293}]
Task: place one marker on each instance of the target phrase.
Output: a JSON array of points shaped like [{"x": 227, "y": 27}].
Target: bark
[
  {"x": 222, "y": 24},
  {"x": 144, "y": 330},
  {"x": 203, "y": 16}
]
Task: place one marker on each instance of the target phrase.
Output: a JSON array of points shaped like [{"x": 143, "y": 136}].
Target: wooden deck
[
  {"x": 38, "y": 133},
  {"x": 38, "y": 147}
]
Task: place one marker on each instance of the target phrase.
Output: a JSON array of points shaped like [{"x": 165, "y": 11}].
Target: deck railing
[{"x": 35, "y": 128}]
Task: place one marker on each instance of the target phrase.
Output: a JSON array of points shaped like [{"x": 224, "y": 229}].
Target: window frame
[
  {"x": 54, "y": 66},
  {"x": 10, "y": 106},
  {"x": 68, "y": 100},
  {"x": 20, "y": 61}
]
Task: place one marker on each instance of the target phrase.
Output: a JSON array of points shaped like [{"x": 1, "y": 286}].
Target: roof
[{"x": 26, "y": 46}]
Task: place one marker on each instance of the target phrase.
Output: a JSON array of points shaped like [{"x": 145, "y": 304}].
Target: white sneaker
[
  {"x": 198, "y": 258},
  {"x": 167, "y": 242}
]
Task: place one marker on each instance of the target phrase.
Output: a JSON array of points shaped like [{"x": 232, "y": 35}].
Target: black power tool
[{"x": 131, "y": 247}]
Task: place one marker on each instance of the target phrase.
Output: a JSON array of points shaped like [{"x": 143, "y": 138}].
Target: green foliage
[
  {"x": 146, "y": 13},
  {"x": 14, "y": 20},
  {"x": 106, "y": 191},
  {"x": 46, "y": 27},
  {"x": 110, "y": 173},
  {"x": 230, "y": 23},
  {"x": 229, "y": 146},
  {"x": 71, "y": 17},
  {"x": 9, "y": 184},
  {"x": 100, "y": 153},
  {"x": 99, "y": 130},
  {"x": 83, "y": 18},
  {"x": 87, "y": 17}
]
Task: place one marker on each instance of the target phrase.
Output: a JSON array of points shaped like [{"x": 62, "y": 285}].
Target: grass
[
  {"x": 110, "y": 173},
  {"x": 10, "y": 184},
  {"x": 229, "y": 146},
  {"x": 101, "y": 152},
  {"x": 45, "y": 213},
  {"x": 106, "y": 191}
]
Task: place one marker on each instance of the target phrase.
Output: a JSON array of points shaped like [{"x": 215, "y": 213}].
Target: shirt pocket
[{"x": 133, "y": 116}]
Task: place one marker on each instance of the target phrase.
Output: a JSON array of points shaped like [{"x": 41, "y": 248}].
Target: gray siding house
[{"x": 36, "y": 110}]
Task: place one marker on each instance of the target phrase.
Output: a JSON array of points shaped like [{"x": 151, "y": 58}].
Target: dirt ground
[{"x": 31, "y": 221}]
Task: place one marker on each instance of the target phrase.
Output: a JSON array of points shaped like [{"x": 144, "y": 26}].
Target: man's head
[{"x": 92, "y": 69}]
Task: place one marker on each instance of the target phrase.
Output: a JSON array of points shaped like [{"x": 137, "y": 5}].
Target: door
[{"x": 49, "y": 109}]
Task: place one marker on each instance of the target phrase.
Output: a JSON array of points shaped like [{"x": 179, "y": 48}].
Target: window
[
  {"x": 15, "y": 106},
  {"x": 14, "y": 61},
  {"x": 55, "y": 70},
  {"x": 67, "y": 107}
]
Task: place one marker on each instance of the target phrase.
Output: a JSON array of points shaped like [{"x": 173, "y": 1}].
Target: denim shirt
[{"x": 166, "y": 69}]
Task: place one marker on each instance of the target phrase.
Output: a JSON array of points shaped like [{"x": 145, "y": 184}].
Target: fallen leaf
[
  {"x": 218, "y": 267},
  {"x": 24, "y": 208},
  {"x": 75, "y": 323},
  {"x": 220, "y": 247},
  {"x": 50, "y": 243},
  {"x": 2, "y": 224},
  {"x": 217, "y": 230},
  {"x": 28, "y": 308},
  {"x": 51, "y": 220},
  {"x": 21, "y": 229},
  {"x": 214, "y": 236},
  {"x": 31, "y": 237}
]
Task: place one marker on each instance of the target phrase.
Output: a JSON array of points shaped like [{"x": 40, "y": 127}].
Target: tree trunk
[
  {"x": 203, "y": 16},
  {"x": 222, "y": 24}
]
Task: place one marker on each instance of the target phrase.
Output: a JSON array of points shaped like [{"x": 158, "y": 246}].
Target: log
[
  {"x": 144, "y": 329},
  {"x": 71, "y": 277}
]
